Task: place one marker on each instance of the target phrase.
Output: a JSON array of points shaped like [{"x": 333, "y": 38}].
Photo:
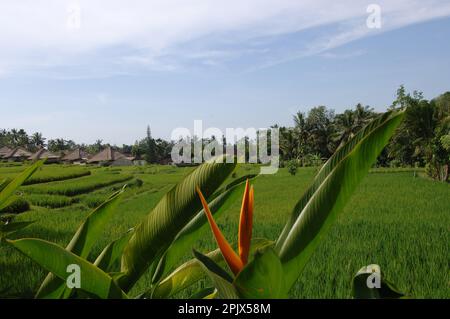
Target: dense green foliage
[{"x": 423, "y": 139}]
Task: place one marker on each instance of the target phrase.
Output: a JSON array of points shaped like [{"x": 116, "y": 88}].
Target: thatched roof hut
[
  {"x": 4, "y": 151},
  {"x": 43, "y": 153},
  {"x": 17, "y": 154},
  {"x": 107, "y": 155},
  {"x": 77, "y": 155}
]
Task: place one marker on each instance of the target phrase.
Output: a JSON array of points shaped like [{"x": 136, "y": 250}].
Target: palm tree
[
  {"x": 14, "y": 137},
  {"x": 301, "y": 134},
  {"x": 350, "y": 122},
  {"x": 363, "y": 115},
  {"x": 346, "y": 127},
  {"x": 288, "y": 143},
  {"x": 37, "y": 140}
]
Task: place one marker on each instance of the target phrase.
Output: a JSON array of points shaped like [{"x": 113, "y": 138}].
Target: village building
[
  {"x": 109, "y": 156},
  {"x": 17, "y": 154},
  {"x": 77, "y": 156},
  {"x": 45, "y": 154},
  {"x": 4, "y": 151}
]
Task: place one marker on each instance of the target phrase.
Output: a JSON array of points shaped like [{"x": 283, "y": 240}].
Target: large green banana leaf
[
  {"x": 330, "y": 197},
  {"x": 9, "y": 188},
  {"x": 81, "y": 244},
  {"x": 11, "y": 227},
  {"x": 326, "y": 169},
  {"x": 364, "y": 288},
  {"x": 186, "y": 239},
  {"x": 111, "y": 253},
  {"x": 56, "y": 260},
  {"x": 262, "y": 278},
  {"x": 4, "y": 182},
  {"x": 191, "y": 271},
  {"x": 159, "y": 229},
  {"x": 184, "y": 276},
  {"x": 223, "y": 282}
]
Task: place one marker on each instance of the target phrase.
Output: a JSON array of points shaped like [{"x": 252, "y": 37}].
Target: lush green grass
[
  {"x": 50, "y": 201},
  {"x": 46, "y": 177},
  {"x": 79, "y": 185},
  {"x": 47, "y": 173},
  {"x": 396, "y": 220}
]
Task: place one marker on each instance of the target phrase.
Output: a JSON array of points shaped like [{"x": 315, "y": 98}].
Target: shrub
[
  {"x": 292, "y": 167},
  {"x": 313, "y": 160}
]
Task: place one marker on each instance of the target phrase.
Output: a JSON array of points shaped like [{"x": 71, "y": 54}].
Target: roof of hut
[
  {"x": 4, "y": 150},
  {"x": 76, "y": 155},
  {"x": 43, "y": 153},
  {"x": 17, "y": 153},
  {"x": 107, "y": 155}
]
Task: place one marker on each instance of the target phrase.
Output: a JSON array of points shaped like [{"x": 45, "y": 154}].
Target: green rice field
[{"x": 397, "y": 219}]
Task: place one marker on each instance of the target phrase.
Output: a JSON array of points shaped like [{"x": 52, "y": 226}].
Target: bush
[
  {"x": 292, "y": 167},
  {"x": 311, "y": 160},
  {"x": 18, "y": 206}
]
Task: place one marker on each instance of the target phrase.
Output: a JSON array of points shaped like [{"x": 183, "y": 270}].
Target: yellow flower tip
[{"x": 234, "y": 262}]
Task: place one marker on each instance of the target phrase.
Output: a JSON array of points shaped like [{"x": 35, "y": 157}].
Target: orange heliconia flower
[{"x": 235, "y": 262}]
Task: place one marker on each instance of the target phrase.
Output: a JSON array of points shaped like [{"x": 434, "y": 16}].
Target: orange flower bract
[{"x": 235, "y": 262}]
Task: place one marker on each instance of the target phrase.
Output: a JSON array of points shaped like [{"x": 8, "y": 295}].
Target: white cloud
[{"x": 117, "y": 37}]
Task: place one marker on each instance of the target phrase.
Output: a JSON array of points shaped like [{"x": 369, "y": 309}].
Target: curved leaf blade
[
  {"x": 191, "y": 271},
  {"x": 198, "y": 226},
  {"x": 221, "y": 279},
  {"x": 330, "y": 197},
  {"x": 82, "y": 243},
  {"x": 184, "y": 276},
  {"x": 9, "y": 189},
  {"x": 207, "y": 293},
  {"x": 365, "y": 285},
  {"x": 262, "y": 278},
  {"x": 112, "y": 252},
  {"x": 6, "y": 229},
  {"x": 158, "y": 230},
  {"x": 326, "y": 169},
  {"x": 56, "y": 260}
]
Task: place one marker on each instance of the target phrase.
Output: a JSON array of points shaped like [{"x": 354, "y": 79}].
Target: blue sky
[{"x": 168, "y": 63}]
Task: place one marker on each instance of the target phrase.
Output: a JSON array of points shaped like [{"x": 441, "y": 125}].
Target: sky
[{"x": 105, "y": 69}]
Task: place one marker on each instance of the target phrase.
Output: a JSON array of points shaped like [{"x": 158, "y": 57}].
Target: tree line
[
  {"x": 150, "y": 149},
  {"x": 422, "y": 140}
]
